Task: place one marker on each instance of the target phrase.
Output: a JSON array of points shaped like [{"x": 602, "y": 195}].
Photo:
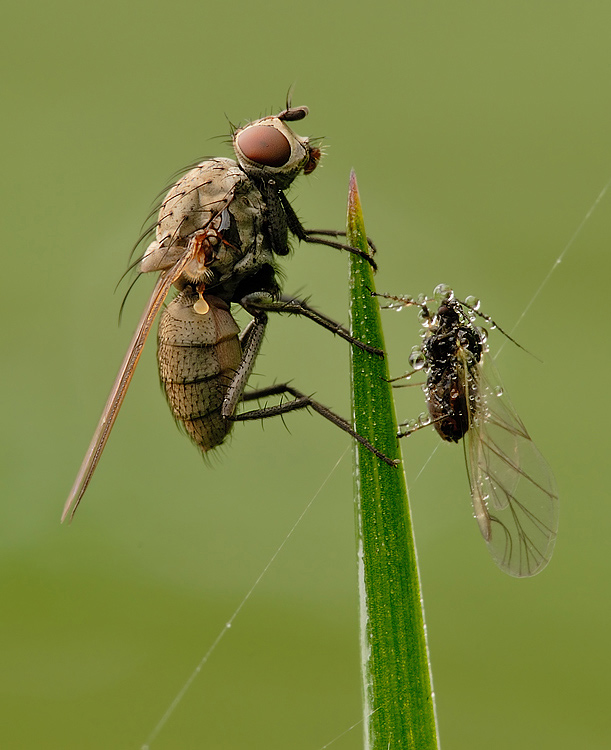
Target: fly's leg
[
  {"x": 405, "y": 376},
  {"x": 421, "y": 423},
  {"x": 251, "y": 339},
  {"x": 297, "y": 228},
  {"x": 309, "y": 235},
  {"x": 335, "y": 233},
  {"x": 301, "y": 401},
  {"x": 262, "y": 301}
]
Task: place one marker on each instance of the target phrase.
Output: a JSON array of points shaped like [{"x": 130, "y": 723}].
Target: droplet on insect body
[
  {"x": 201, "y": 307},
  {"x": 417, "y": 359}
]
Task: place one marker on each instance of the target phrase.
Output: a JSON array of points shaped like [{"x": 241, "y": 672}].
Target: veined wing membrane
[
  {"x": 513, "y": 490},
  {"x": 123, "y": 379}
]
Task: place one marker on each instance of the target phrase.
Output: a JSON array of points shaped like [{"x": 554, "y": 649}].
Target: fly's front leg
[
  {"x": 301, "y": 401},
  {"x": 262, "y": 301},
  {"x": 335, "y": 233},
  {"x": 305, "y": 235}
]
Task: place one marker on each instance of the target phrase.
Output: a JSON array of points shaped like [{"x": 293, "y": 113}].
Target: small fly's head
[
  {"x": 452, "y": 333},
  {"x": 267, "y": 149}
]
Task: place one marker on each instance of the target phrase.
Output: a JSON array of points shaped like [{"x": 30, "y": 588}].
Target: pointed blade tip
[{"x": 354, "y": 200}]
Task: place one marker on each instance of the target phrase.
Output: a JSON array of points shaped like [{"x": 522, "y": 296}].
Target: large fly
[
  {"x": 217, "y": 235},
  {"x": 513, "y": 491}
]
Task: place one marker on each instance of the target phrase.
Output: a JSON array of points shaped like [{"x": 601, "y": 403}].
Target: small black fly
[{"x": 514, "y": 494}]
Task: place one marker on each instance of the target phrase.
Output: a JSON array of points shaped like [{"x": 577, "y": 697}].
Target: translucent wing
[
  {"x": 513, "y": 490},
  {"x": 123, "y": 379}
]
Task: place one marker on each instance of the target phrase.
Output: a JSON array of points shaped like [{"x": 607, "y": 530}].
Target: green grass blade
[{"x": 399, "y": 707}]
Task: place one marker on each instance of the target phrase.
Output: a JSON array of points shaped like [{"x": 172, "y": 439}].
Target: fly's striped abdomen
[{"x": 198, "y": 356}]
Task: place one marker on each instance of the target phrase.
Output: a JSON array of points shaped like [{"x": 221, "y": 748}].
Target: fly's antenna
[
  {"x": 292, "y": 114},
  {"x": 289, "y": 95},
  {"x": 494, "y": 324}
]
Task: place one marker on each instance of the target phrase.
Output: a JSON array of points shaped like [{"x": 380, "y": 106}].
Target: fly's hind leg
[
  {"x": 257, "y": 304},
  {"x": 301, "y": 401}
]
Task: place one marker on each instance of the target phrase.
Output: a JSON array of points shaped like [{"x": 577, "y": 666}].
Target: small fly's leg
[
  {"x": 405, "y": 376},
  {"x": 263, "y": 301},
  {"x": 301, "y": 401},
  {"x": 416, "y": 427},
  {"x": 297, "y": 228}
]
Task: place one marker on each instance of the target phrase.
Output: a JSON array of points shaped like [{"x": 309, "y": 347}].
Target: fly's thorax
[
  {"x": 267, "y": 149},
  {"x": 219, "y": 208}
]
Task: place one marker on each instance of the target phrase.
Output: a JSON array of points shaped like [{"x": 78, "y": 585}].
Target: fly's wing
[
  {"x": 121, "y": 384},
  {"x": 513, "y": 490}
]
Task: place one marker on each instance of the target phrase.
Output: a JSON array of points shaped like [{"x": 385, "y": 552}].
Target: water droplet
[
  {"x": 423, "y": 317},
  {"x": 201, "y": 307},
  {"x": 443, "y": 292},
  {"x": 417, "y": 359}
]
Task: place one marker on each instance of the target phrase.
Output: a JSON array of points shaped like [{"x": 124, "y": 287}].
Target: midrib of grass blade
[{"x": 399, "y": 708}]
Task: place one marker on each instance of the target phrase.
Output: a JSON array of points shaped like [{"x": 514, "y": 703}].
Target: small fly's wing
[
  {"x": 513, "y": 490},
  {"x": 123, "y": 379}
]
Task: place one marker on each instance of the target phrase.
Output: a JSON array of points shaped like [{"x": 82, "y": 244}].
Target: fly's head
[
  {"x": 453, "y": 336},
  {"x": 267, "y": 149}
]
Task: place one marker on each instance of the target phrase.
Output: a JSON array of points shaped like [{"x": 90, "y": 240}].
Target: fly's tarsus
[
  {"x": 302, "y": 401},
  {"x": 311, "y": 238}
]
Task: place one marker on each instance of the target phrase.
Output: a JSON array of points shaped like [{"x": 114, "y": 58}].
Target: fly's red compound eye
[{"x": 264, "y": 145}]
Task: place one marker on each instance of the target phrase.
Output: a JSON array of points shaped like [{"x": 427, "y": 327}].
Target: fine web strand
[
  {"x": 426, "y": 463},
  {"x": 343, "y": 734},
  {"x": 558, "y": 260},
  {"x": 346, "y": 731},
  {"x": 202, "y": 663}
]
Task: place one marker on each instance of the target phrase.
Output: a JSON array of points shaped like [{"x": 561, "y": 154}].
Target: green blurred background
[{"x": 480, "y": 136}]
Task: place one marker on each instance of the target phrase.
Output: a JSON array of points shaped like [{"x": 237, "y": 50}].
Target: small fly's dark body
[
  {"x": 513, "y": 491},
  {"x": 452, "y": 353},
  {"x": 217, "y": 237}
]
